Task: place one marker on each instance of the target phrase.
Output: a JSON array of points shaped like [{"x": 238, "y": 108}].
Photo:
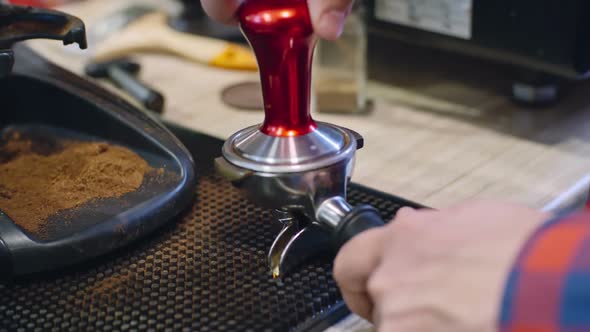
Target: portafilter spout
[{"x": 290, "y": 162}]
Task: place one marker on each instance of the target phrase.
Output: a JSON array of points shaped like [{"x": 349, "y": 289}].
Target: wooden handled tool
[{"x": 151, "y": 34}]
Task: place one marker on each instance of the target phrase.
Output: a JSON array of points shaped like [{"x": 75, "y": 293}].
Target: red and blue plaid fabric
[{"x": 549, "y": 286}]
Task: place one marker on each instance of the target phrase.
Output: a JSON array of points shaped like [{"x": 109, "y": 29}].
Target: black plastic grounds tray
[{"x": 206, "y": 272}]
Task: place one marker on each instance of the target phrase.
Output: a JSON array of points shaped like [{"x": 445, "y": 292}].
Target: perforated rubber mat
[{"x": 206, "y": 271}]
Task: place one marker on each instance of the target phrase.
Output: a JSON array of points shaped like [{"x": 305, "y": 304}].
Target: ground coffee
[{"x": 39, "y": 181}]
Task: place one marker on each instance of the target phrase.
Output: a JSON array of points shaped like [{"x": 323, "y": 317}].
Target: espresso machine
[
  {"x": 544, "y": 42},
  {"x": 290, "y": 162}
]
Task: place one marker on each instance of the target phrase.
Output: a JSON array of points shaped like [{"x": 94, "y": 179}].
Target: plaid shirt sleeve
[{"x": 549, "y": 286}]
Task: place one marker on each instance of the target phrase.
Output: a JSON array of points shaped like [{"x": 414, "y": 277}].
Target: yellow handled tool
[{"x": 151, "y": 34}]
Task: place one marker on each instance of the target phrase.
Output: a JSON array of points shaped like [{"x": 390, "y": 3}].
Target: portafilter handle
[
  {"x": 361, "y": 218},
  {"x": 345, "y": 221},
  {"x": 282, "y": 37}
]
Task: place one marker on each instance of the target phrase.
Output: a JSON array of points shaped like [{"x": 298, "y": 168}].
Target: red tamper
[{"x": 291, "y": 163}]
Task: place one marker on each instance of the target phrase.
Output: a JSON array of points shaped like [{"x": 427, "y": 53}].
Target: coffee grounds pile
[{"x": 40, "y": 179}]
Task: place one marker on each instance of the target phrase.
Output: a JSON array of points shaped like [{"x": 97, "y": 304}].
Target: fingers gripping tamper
[{"x": 291, "y": 163}]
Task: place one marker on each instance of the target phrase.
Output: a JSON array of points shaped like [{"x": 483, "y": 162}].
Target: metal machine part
[
  {"x": 300, "y": 198},
  {"x": 333, "y": 210},
  {"x": 297, "y": 242},
  {"x": 19, "y": 23},
  {"x": 302, "y": 177},
  {"x": 290, "y": 163},
  {"x": 303, "y": 191}
]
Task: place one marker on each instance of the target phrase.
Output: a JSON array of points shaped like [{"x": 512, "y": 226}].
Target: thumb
[
  {"x": 353, "y": 266},
  {"x": 223, "y": 11},
  {"x": 328, "y": 16}
]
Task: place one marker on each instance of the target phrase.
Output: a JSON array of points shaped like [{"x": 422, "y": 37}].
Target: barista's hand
[
  {"x": 435, "y": 270},
  {"x": 327, "y": 15}
]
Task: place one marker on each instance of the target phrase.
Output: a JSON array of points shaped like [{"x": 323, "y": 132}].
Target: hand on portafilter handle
[
  {"x": 327, "y": 16},
  {"x": 434, "y": 270},
  {"x": 427, "y": 270}
]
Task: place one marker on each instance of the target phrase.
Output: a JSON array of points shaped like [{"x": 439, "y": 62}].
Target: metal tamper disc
[{"x": 244, "y": 96}]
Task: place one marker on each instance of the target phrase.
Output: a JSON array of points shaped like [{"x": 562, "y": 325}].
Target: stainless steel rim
[{"x": 252, "y": 150}]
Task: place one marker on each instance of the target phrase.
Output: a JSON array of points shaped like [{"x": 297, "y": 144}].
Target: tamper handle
[
  {"x": 360, "y": 219},
  {"x": 282, "y": 36}
]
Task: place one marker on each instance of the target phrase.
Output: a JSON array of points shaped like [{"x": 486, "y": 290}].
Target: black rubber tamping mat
[{"x": 206, "y": 272}]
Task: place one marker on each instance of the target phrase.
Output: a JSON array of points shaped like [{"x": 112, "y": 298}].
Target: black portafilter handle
[
  {"x": 146, "y": 95},
  {"x": 121, "y": 72},
  {"x": 360, "y": 219}
]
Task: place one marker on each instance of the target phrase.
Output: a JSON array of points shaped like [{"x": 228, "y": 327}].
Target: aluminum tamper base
[{"x": 252, "y": 150}]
